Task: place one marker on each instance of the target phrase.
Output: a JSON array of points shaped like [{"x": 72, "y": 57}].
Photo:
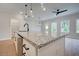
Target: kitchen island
[{"x": 42, "y": 45}]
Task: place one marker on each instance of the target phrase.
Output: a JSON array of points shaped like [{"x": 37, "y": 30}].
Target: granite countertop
[{"x": 38, "y": 39}]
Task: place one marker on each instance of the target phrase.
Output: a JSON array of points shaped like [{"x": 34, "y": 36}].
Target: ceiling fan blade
[
  {"x": 57, "y": 13},
  {"x": 54, "y": 11},
  {"x": 63, "y": 11}
]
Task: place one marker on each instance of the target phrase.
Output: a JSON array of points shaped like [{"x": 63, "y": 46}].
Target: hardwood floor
[{"x": 7, "y": 48}]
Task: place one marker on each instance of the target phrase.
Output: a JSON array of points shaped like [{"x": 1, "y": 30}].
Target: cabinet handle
[
  {"x": 24, "y": 45},
  {"x": 24, "y": 54}
]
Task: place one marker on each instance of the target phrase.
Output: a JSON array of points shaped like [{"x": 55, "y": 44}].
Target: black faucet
[{"x": 27, "y": 26}]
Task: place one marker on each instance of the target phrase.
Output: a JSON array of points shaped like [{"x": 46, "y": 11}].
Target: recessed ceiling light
[
  {"x": 44, "y": 9},
  {"x": 42, "y": 6}
]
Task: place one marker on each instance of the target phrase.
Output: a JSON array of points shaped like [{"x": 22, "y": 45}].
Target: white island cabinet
[{"x": 41, "y": 45}]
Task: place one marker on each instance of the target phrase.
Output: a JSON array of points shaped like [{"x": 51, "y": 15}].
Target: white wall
[
  {"x": 4, "y": 26},
  {"x": 33, "y": 24},
  {"x": 16, "y": 22}
]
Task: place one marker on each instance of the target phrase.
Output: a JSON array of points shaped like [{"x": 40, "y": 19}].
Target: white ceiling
[{"x": 14, "y": 8}]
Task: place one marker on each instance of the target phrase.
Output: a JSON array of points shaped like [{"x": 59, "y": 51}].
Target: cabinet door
[
  {"x": 60, "y": 47},
  {"x": 31, "y": 51},
  {"x": 49, "y": 50},
  {"x": 71, "y": 47}
]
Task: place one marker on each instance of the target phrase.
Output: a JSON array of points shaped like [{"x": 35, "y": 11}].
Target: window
[
  {"x": 77, "y": 26},
  {"x": 54, "y": 27},
  {"x": 46, "y": 29},
  {"x": 65, "y": 26}
]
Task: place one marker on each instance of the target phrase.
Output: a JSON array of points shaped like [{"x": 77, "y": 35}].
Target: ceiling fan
[{"x": 58, "y": 11}]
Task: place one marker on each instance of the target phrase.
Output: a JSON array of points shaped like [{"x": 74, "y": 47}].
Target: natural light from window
[
  {"x": 54, "y": 27},
  {"x": 77, "y": 26},
  {"x": 65, "y": 26},
  {"x": 46, "y": 29}
]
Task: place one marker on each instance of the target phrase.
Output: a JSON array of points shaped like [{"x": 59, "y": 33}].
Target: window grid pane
[
  {"x": 54, "y": 27},
  {"x": 46, "y": 29},
  {"x": 65, "y": 26},
  {"x": 77, "y": 26}
]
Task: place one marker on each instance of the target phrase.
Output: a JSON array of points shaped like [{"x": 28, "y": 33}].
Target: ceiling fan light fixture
[{"x": 42, "y": 6}]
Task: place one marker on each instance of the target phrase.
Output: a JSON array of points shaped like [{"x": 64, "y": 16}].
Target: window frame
[
  {"x": 66, "y": 25},
  {"x": 54, "y": 24}
]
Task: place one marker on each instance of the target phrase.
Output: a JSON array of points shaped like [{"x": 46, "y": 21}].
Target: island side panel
[{"x": 56, "y": 48}]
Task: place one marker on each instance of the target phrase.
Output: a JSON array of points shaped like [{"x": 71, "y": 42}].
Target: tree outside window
[{"x": 65, "y": 26}]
